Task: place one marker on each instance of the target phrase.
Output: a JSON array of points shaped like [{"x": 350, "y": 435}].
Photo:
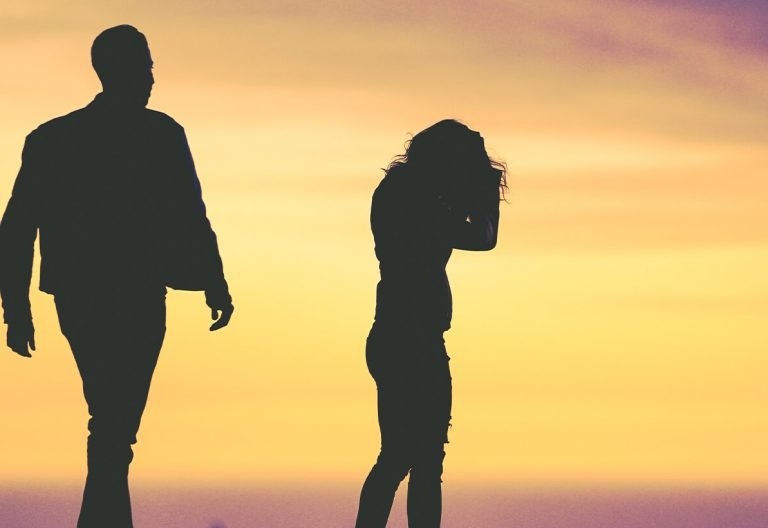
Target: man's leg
[{"x": 116, "y": 341}]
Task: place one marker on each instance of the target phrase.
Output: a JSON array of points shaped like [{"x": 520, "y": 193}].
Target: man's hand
[
  {"x": 21, "y": 338},
  {"x": 219, "y": 300},
  {"x": 223, "y": 319}
]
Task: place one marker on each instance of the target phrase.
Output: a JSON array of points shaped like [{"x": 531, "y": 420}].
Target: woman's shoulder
[
  {"x": 392, "y": 197},
  {"x": 395, "y": 185},
  {"x": 386, "y": 190}
]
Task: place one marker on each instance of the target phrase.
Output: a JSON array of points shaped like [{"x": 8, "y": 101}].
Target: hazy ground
[{"x": 303, "y": 508}]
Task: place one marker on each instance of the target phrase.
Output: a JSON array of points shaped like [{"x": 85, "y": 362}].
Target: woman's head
[{"x": 451, "y": 157}]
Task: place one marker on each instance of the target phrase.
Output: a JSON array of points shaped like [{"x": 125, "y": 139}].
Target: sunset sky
[{"x": 616, "y": 334}]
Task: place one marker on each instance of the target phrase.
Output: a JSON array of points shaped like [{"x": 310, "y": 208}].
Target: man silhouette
[{"x": 113, "y": 191}]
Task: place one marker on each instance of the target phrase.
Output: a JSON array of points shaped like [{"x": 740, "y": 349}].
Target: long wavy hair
[{"x": 451, "y": 158}]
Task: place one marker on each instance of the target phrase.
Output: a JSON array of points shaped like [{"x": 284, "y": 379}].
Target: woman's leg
[
  {"x": 425, "y": 490},
  {"x": 414, "y": 404},
  {"x": 432, "y": 401},
  {"x": 391, "y": 467},
  {"x": 393, "y": 462}
]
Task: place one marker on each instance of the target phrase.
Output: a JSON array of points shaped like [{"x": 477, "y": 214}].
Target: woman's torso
[{"x": 413, "y": 250}]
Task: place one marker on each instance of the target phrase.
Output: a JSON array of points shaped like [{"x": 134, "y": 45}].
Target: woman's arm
[
  {"x": 411, "y": 225},
  {"x": 471, "y": 223},
  {"x": 478, "y": 231}
]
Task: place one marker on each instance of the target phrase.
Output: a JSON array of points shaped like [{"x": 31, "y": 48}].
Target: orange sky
[{"x": 617, "y": 333}]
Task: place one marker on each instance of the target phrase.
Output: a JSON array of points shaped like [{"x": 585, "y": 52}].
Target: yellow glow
[{"x": 617, "y": 332}]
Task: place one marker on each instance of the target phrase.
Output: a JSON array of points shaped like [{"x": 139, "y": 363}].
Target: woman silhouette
[{"x": 442, "y": 194}]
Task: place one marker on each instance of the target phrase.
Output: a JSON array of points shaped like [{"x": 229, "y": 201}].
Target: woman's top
[{"x": 411, "y": 229}]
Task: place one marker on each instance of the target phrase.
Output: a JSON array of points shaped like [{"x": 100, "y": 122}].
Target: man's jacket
[{"x": 114, "y": 194}]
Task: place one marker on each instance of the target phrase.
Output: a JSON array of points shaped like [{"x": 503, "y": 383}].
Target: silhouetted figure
[
  {"x": 113, "y": 192},
  {"x": 442, "y": 194}
]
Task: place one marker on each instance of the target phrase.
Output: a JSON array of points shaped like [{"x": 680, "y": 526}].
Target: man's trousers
[{"x": 115, "y": 337}]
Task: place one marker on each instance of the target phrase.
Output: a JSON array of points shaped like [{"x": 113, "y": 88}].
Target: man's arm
[
  {"x": 195, "y": 223},
  {"x": 18, "y": 230}
]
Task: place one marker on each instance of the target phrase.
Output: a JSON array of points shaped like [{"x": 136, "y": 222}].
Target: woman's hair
[{"x": 452, "y": 156}]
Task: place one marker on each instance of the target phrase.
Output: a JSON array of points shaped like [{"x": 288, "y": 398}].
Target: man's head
[{"x": 120, "y": 55}]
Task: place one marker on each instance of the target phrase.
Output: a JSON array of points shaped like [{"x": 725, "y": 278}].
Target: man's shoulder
[
  {"x": 70, "y": 123},
  {"x": 162, "y": 121},
  {"x": 58, "y": 126}
]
